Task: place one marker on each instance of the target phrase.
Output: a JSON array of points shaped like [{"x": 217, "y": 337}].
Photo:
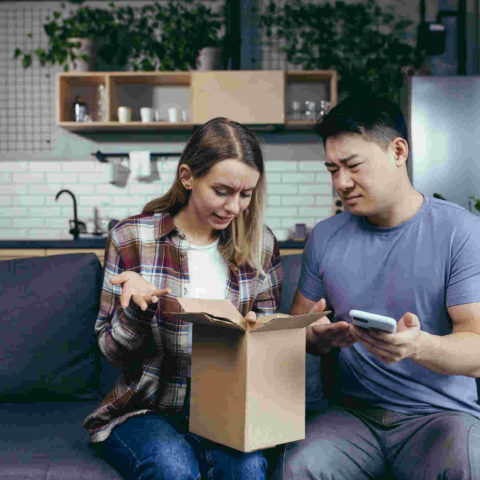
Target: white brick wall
[
  {"x": 299, "y": 188},
  {"x": 299, "y": 191}
]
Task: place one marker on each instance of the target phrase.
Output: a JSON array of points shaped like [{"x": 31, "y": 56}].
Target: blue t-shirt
[{"x": 422, "y": 266}]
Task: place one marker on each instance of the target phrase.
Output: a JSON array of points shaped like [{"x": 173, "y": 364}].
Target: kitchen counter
[
  {"x": 95, "y": 242},
  {"x": 82, "y": 242}
]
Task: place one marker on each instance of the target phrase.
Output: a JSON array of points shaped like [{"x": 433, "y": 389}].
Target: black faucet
[{"x": 74, "y": 230}]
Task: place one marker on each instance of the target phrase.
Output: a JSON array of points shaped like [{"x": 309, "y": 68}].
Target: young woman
[{"x": 204, "y": 238}]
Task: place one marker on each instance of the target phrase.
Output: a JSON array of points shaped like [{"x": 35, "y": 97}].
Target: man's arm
[
  {"x": 322, "y": 335},
  {"x": 301, "y": 304},
  {"x": 457, "y": 353}
]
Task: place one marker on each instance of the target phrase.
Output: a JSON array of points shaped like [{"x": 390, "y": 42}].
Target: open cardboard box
[{"x": 247, "y": 381}]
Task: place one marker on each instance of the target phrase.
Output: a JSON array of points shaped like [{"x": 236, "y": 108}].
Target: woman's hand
[
  {"x": 251, "y": 317},
  {"x": 135, "y": 287}
]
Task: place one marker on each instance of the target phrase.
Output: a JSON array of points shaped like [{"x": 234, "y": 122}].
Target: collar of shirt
[{"x": 165, "y": 225}]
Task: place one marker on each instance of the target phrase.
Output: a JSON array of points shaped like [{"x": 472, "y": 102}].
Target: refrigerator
[{"x": 444, "y": 124}]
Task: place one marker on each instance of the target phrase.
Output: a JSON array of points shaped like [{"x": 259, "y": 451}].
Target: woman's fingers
[
  {"x": 135, "y": 288},
  {"x": 118, "y": 279},
  {"x": 141, "y": 301},
  {"x": 125, "y": 298},
  {"x": 160, "y": 292},
  {"x": 126, "y": 276},
  {"x": 251, "y": 317}
]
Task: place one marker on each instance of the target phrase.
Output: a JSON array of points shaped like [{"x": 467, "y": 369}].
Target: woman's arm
[{"x": 123, "y": 332}]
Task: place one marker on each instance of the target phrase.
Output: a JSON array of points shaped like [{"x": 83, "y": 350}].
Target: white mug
[
  {"x": 173, "y": 114},
  {"x": 124, "y": 114},
  {"x": 146, "y": 114}
]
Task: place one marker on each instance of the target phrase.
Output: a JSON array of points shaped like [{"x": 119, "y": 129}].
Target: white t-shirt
[
  {"x": 208, "y": 276},
  {"x": 208, "y": 272}
]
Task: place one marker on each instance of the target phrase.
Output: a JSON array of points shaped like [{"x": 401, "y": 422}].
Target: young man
[{"x": 403, "y": 405}]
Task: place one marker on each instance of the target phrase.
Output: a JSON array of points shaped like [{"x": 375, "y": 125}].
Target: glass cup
[
  {"x": 296, "y": 113},
  {"x": 124, "y": 114},
  {"x": 310, "y": 110},
  {"x": 146, "y": 114},
  {"x": 172, "y": 114},
  {"x": 324, "y": 107}
]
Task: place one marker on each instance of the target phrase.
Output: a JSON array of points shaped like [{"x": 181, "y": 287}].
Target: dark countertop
[
  {"x": 82, "y": 242},
  {"x": 92, "y": 242}
]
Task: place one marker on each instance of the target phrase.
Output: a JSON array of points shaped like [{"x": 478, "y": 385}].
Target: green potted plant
[
  {"x": 83, "y": 35},
  {"x": 476, "y": 202},
  {"x": 473, "y": 201},
  {"x": 174, "y": 32},
  {"x": 157, "y": 36},
  {"x": 368, "y": 46}
]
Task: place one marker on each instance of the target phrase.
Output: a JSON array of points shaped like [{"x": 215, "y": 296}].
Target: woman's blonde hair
[{"x": 221, "y": 139}]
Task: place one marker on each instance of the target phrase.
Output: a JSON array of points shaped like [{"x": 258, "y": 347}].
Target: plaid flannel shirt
[{"x": 152, "y": 351}]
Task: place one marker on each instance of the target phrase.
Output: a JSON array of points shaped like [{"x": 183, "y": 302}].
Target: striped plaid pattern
[{"x": 152, "y": 350}]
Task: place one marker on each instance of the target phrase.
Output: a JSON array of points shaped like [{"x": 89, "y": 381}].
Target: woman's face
[{"x": 223, "y": 193}]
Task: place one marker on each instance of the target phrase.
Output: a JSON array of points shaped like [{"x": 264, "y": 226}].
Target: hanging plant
[
  {"x": 113, "y": 39},
  {"x": 368, "y": 46},
  {"x": 165, "y": 36},
  {"x": 174, "y": 32}
]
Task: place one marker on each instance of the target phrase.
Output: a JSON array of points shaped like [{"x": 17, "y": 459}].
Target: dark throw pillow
[{"x": 48, "y": 307}]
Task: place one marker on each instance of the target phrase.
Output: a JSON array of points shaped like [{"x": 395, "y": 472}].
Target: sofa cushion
[
  {"x": 48, "y": 307},
  {"x": 291, "y": 266},
  {"x": 46, "y": 440},
  {"x": 314, "y": 393},
  {"x": 108, "y": 375}
]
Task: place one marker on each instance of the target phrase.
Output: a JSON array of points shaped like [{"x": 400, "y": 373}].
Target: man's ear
[
  {"x": 186, "y": 176},
  {"x": 400, "y": 151}
]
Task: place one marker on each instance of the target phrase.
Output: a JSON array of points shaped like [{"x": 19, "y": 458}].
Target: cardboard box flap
[
  {"x": 207, "y": 311},
  {"x": 281, "y": 321},
  {"x": 198, "y": 318}
]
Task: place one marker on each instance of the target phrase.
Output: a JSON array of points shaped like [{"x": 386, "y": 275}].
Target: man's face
[{"x": 364, "y": 175}]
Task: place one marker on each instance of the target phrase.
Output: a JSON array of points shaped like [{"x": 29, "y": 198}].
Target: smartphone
[{"x": 372, "y": 320}]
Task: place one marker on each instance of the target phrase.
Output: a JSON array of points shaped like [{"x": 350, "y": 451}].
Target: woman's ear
[
  {"x": 186, "y": 176},
  {"x": 400, "y": 151}
]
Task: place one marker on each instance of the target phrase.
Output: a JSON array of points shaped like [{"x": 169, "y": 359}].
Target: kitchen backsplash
[
  {"x": 37, "y": 158},
  {"x": 299, "y": 191}
]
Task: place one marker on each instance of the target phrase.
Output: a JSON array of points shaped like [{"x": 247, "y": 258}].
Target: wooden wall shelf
[{"x": 252, "y": 97}]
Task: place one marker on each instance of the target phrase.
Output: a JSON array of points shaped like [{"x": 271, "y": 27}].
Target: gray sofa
[{"x": 51, "y": 372}]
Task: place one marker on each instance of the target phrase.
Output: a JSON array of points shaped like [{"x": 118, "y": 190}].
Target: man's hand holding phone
[
  {"x": 373, "y": 320},
  {"x": 323, "y": 335},
  {"x": 388, "y": 342}
]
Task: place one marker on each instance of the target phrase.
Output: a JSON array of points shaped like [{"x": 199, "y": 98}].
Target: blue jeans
[{"x": 156, "y": 447}]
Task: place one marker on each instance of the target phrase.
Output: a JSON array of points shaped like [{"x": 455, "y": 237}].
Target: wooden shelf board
[
  {"x": 152, "y": 78},
  {"x": 97, "y": 126},
  {"x": 86, "y": 80},
  {"x": 310, "y": 75}
]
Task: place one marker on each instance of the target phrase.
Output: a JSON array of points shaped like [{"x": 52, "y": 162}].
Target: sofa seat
[
  {"x": 45, "y": 440},
  {"x": 51, "y": 372}
]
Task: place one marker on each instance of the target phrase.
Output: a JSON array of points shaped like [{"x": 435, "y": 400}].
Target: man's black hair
[{"x": 365, "y": 114}]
